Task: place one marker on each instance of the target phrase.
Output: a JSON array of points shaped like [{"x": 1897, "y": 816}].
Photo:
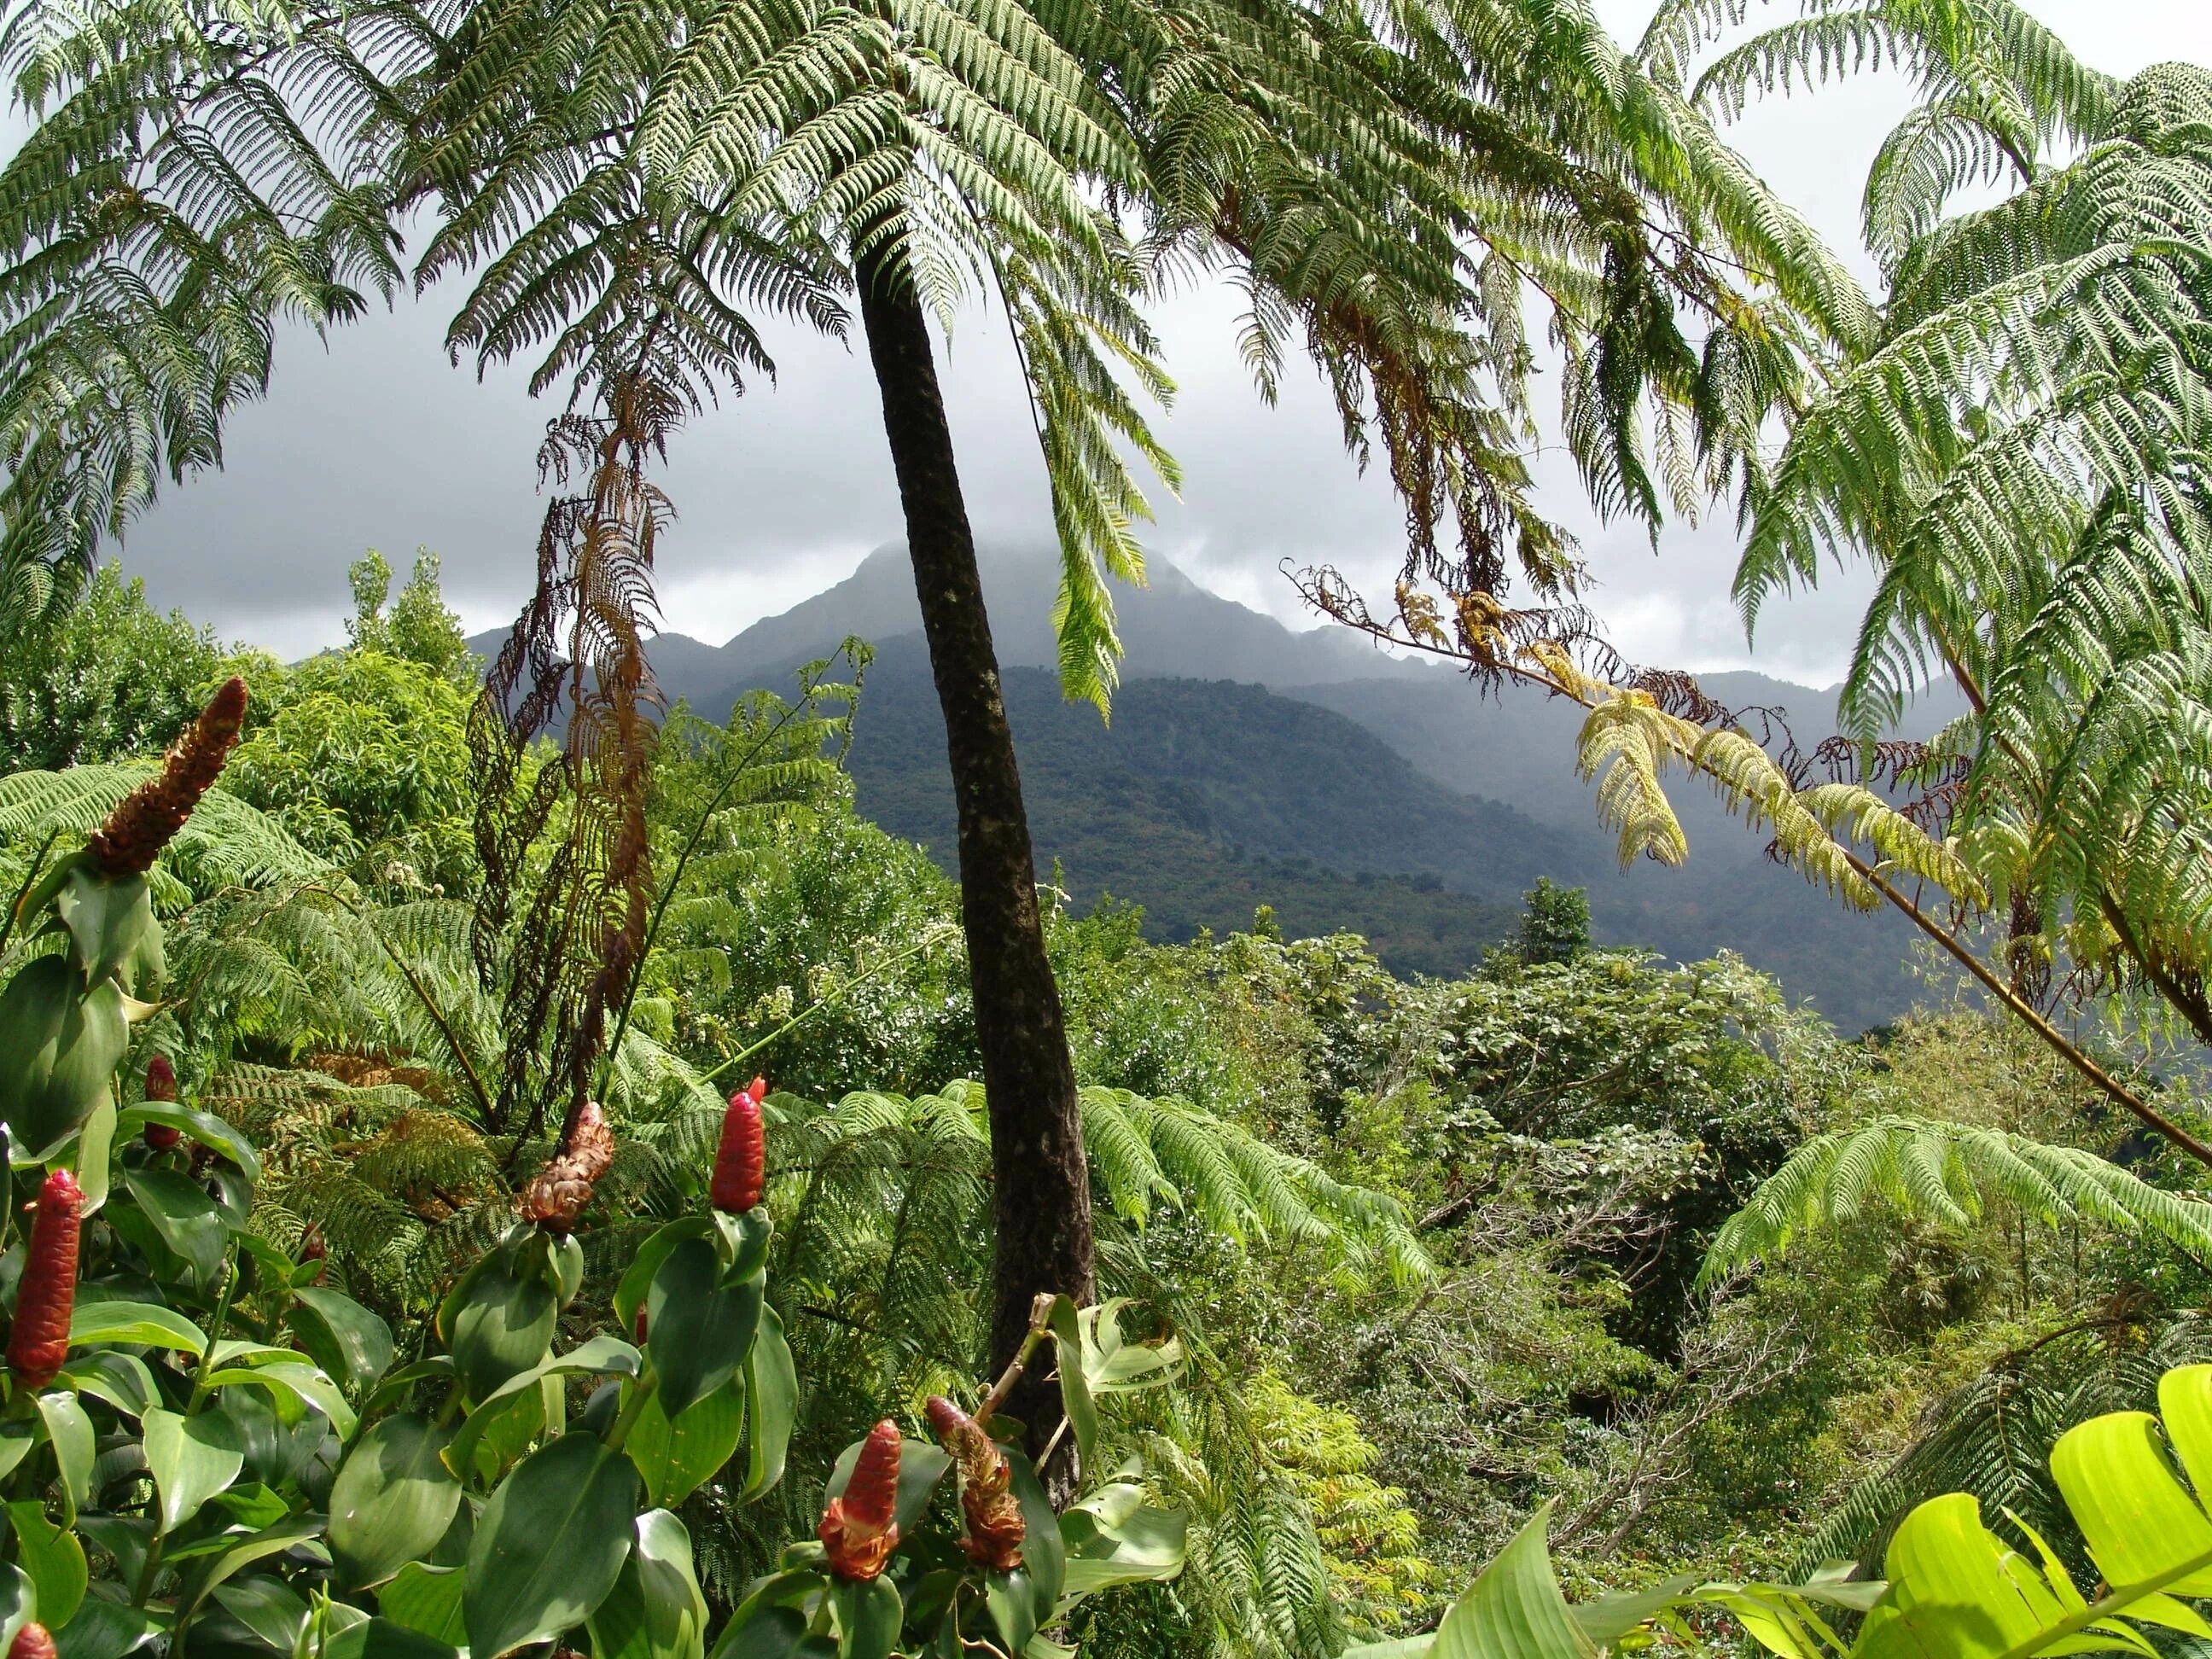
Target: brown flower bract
[
  {"x": 557, "y": 1194},
  {"x": 993, "y": 1514},
  {"x": 148, "y": 818}
]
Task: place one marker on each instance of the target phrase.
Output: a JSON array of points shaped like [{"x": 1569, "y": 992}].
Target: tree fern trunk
[{"x": 1040, "y": 1197}]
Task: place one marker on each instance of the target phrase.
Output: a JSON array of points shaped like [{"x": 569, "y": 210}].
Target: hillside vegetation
[{"x": 500, "y": 1166}]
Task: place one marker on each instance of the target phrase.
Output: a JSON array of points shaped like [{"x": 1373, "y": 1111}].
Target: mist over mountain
[{"x": 1249, "y": 762}]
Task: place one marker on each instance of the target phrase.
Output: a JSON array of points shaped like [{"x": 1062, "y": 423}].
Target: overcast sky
[{"x": 375, "y": 440}]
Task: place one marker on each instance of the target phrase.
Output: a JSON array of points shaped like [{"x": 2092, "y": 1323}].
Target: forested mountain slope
[
  {"x": 1220, "y": 769},
  {"x": 1204, "y": 801}
]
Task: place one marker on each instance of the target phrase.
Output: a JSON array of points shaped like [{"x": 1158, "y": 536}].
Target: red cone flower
[
  {"x": 39, "y": 1341},
  {"x": 860, "y": 1529},
  {"x": 32, "y": 1642},
  {"x": 741, "y": 1161}
]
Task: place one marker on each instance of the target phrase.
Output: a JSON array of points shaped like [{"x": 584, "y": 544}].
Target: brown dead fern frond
[{"x": 575, "y": 663}]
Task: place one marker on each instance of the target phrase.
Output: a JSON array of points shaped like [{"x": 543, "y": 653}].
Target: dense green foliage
[
  {"x": 1564, "y": 1260},
  {"x": 116, "y": 677},
  {"x": 1429, "y": 1248}
]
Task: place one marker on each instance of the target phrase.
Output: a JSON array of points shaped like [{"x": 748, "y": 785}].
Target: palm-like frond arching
[
  {"x": 198, "y": 174},
  {"x": 225, "y": 843},
  {"x": 1996, "y": 87},
  {"x": 1992, "y": 1439},
  {"x": 2021, "y": 457},
  {"x": 1947, "y": 1172}
]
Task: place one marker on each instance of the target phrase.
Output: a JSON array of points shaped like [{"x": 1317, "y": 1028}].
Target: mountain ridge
[{"x": 1484, "y": 795}]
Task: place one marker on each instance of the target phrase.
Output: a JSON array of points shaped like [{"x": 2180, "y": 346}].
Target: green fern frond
[{"x": 1948, "y": 1172}]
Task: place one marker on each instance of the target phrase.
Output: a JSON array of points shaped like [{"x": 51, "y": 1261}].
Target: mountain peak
[{"x": 1170, "y": 628}]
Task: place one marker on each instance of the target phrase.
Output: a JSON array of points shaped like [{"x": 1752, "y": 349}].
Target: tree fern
[
  {"x": 196, "y": 175},
  {"x": 225, "y": 843}
]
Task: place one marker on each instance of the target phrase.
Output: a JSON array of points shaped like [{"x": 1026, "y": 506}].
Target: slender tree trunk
[{"x": 1040, "y": 1197}]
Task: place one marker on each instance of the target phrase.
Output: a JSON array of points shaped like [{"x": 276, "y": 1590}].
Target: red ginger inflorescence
[
  {"x": 859, "y": 1529},
  {"x": 741, "y": 1161},
  {"x": 33, "y": 1641},
  {"x": 993, "y": 1514},
  {"x": 557, "y": 1194},
  {"x": 39, "y": 1340},
  {"x": 160, "y": 1086},
  {"x": 148, "y": 818}
]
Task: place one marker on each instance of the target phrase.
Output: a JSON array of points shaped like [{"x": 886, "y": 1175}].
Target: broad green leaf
[
  {"x": 285, "y": 1535},
  {"x": 1068, "y": 1334},
  {"x": 231, "y": 1349},
  {"x": 1113, "y": 1366},
  {"x": 184, "y": 1216},
  {"x": 869, "y": 1613},
  {"x": 677, "y": 1458},
  {"x": 127, "y": 1538},
  {"x": 392, "y": 1500},
  {"x": 744, "y": 1242},
  {"x": 203, "y": 1127},
  {"x": 346, "y": 1339},
  {"x": 549, "y": 1545},
  {"x": 1113, "y": 1537},
  {"x": 301, "y": 1381},
  {"x": 268, "y": 1607},
  {"x": 771, "y": 1405},
  {"x": 1012, "y": 1599},
  {"x": 922, "y": 1466},
  {"x": 2184, "y": 1401},
  {"x": 427, "y": 1598},
  {"x": 601, "y": 1356},
  {"x": 655, "y": 1610},
  {"x": 253, "y": 1504},
  {"x": 383, "y": 1639},
  {"x": 282, "y": 1440},
  {"x": 1513, "y": 1609},
  {"x": 697, "y": 1329},
  {"x": 771, "y": 1622},
  {"x": 326, "y": 1621},
  {"x": 134, "y": 1324},
  {"x": 110, "y": 920},
  {"x": 95, "y": 1157},
  {"x": 121, "y": 1379},
  {"x": 104, "y": 1630},
  {"x": 52, "y": 1559},
  {"x": 59, "y": 1048},
  {"x": 636, "y": 1281},
  {"x": 1043, "y": 1557},
  {"x": 1946, "y": 1572},
  {"x": 499, "y": 1320},
  {"x": 2138, "y": 1521},
  {"x": 75, "y": 1446},
  {"x": 1605, "y": 1620},
  {"x": 18, "y": 1440},
  {"x": 191, "y": 1459}
]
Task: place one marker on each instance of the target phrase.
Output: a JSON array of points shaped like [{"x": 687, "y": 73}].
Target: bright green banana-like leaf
[{"x": 2137, "y": 1485}]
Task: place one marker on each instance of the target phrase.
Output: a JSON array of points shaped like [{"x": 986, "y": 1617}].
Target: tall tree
[{"x": 626, "y": 185}]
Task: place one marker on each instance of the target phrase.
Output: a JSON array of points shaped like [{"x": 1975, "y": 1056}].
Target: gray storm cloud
[{"x": 374, "y": 440}]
